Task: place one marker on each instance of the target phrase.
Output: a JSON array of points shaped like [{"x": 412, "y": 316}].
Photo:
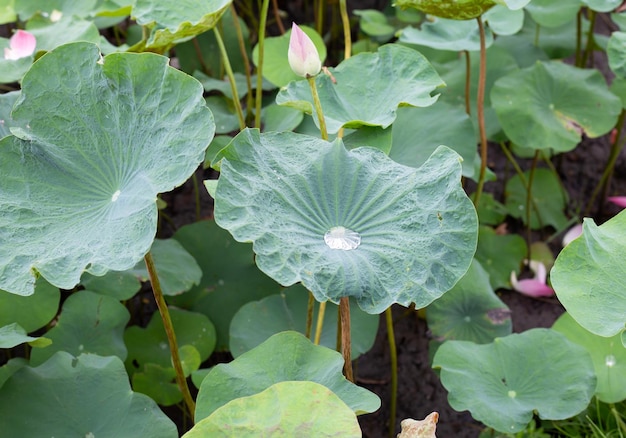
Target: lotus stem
[
  {"x": 590, "y": 39},
  {"x": 231, "y": 78},
  {"x": 480, "y": 104},
  {"x": 244, "y": 56},
  {"x": 529, "y": 199},
  {"x": 347, "y": 36},
  {"x": 468, "y": 74},
  {"x": 579, "y": 38},
  {"x": 320, "y": 323},
  {"x": 320, "y": 16},
  {"x": 171, "y": 335},
  {"x": 318, "y": 108},
  {"x": 259, "y": 68},
  {"x": 346, "y": 341},
  {"x": 196, "y": 48},
  {"x": 196, "y": 192},
  {"x": 309, "y": 315},
  {"x": 394, "y": 372},
  {"x": 279, "y": 22}
]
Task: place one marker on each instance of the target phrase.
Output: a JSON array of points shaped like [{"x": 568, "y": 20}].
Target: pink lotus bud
[
  {"x": 302, "y": 54},
  {"x": 572, "y": 234},
  {"x": 620, "y": 201},
  {"x": 21, "y": 45},
  {"x": 533, "y": 287}
]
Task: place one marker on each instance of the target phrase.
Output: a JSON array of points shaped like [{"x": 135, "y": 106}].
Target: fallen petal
[
  {"x": 618, "y": 200},
  {"x": 572, "y": 234},
  {"x": 533, "y": 288},
  {"x": 425, "y": 428},
  {"x": 21, "y": 45}
]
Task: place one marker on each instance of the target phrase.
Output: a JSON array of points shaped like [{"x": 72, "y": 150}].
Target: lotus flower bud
[
  {"x": 21, "y": 45},
  {"x": 303, "y": 57}
]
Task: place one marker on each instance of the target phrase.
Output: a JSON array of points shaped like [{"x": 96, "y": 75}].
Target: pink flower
[
  {"x": 21, "y": 45},
  {"x": 618, "y": 200},
  {"x": 302, "y": 54},
  {"x": 572, "y": 234},
  {"x": 533, "y": 287}
]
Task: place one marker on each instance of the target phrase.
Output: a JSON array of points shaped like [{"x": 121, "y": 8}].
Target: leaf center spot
[
  {"x": 610, "y": 361},
  {"x": 512, "y": 394},
  {"x": 342, "y": 238},
  {"x": 115, "y": 196}
]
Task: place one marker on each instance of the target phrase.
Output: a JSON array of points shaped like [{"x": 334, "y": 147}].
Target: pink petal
[
  {"x": 533, "y": 288},
  {"x": 21, "y": 45},
  {"x": 572, "y": 234},
  {"x": 618, "y": 200}
]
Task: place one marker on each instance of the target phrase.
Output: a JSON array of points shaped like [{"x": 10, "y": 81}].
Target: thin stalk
[
  {"x": 616, "y": 148},
  {"x": 579, "y": 38},
  {"x": 309, "y": 315},
  {"x": 590, "y": 39},
  {"x": 618, "y": 419},
  {"x": 196, "y": 46},
  {"x": 394, "y": 372},
  {"x": 537, "y": 33},
  {"x": 279, "y": 22},
  {"x": 318, "y": 107},
  {"x": 347, "y": 35},
  {"x": 196, "y": 192},
  {"x": 338, "y": 339},
  {"x": 231, "y": 78},
  {"x": 480, "y": 104},
  {"x": 169, "y": 331},
  {"x": 319, "y": 25},
  {"x": 346, "y": 341},
  {"x": 529, "y": 198},
  {"x": 259, "y": 68},
  {"x": 244, "y": 56},
  {"x": 320, "y": 323},
  {"x": 468, "y": 74}
]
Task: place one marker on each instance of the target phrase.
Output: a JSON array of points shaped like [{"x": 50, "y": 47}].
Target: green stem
[
  {"x": 529, "y": 199},
  {"x": 246, "y": 60},
  {"x": 309, "y": 315},
  {"x": 579, "y": 39},
  {"x": 347, "y": 36},
  {"x": 480, "y": 104},
  {"x": 279, "y": 22},
  {"x": 198, "y": 50},
  {"x": 320, "y": 16},
  {"x": 318, "y": 108},
  {"x": 259, "y": 68},
  {"x": 537, "y": 33},
  {"x": 394, "y": 372},
  {"x": 320, "y": 323},
  {"x": 590, "y": 39},
  {"x": 346, "y": 341},
  {"x": 196, "y": 191},
  {"x": 468, "y": 74},
  {"x": 231, "y": 78},
  {"x": 169, "y": 331},
  {"x": 616, "y": 148}
]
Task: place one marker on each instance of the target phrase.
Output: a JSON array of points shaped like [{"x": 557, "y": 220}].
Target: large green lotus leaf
[
  {"x": 172, "y": 21},
  {"x": 150, "y": 344},
  {"x": 470, "y": 311},
  {"x": 587, "y": 276},
  {"x": 223, "y": 110},
  {"x": 12, "y": 70},
  {"x": 547, "y": 204},
  {"x": 9, "y": 368},
  {"x": 490, "y": 211},
  {"x": 616, "y": 52},
  {"x": 538, "y": 370},
  {"x": 602, "y": 5},
  {"x": 453, "y": 9},
  {"x": 375, "y": 23},
  {"x": 7, "y": 12},
  {"x": 417, "y": 132},
  {"x": 89, "y": 323},
  {"x": 504, "y": 21},
  {"x": 13, "y": 334},
  {"x": 86, "y": 396},
  {"x": 79, "y": 183},
  {"x": 68, "y": 29},
  {"x": 443, "y": 34},
  {"x": 31, "y": 312},
  {"x": 122, "y": 285},
  {"x": 280, "y": 118},
  {"x": 608, "y": 355},
  {"x": 276, "y": 67},
  {"x": 347, "y": 223},
  {"x": 176, "y": 268},
  {"x": 84, "y": 8},
  {"x": 548, "y": 13},
  {"x": 230, "y": 277},
  {"x": 287, "y": 311},
  {"x": 559, "y": 101},
  {"x": 500, "y": 254},
  {"x": 286, "y": 356},
  {"x": 362, "y": 94},
  {"x": 620, "y": 20},
  {"x": 286, "y": 409},
  {"x": 7, "y": 100}
]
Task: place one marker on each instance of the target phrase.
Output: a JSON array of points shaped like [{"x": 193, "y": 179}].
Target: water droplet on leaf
[
  {"x": 342, "y": 238},
  {"x": 610, "y": 361},
  {"x": 115, "y": 196}
]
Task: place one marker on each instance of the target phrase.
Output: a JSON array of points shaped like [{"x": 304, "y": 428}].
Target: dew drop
[
  {"x": 610, "y": 361},
  {"x": 81, "y": 347},
  {"x": 512, "y": 394},
  {"x": 115, "y": 196},
  {"x": 342, "y": 238}
]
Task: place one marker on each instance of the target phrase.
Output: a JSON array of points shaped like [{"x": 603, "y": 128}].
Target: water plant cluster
[{"x": 352, "y": 150}]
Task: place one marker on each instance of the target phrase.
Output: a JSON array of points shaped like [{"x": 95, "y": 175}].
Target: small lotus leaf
[
  {"x": 89, "y": 323},
  {"x": 559, "y": 101},
  {"x": 504, "y": 21},
  {"x": 410, "y": 234},
  {"x": 172, "y": 21},
  {"x": 360, "y": 93},
  {"x": 470, "y": 311},
  {"x": 13, "y": 334},
  {"x": 32, "y": 312},
  {"x": 7, "y": 12},
  {"x": 284, "y": 410},
  {"x": 372, "y": 136},
  {"x": 150, "y": 344},
  {"x": 176, "y": 268},
  {"x": 587, "y": 276},
  {"x": 121, "y": 285},
  {"x": 230, "y": 277},
  {"x": 608, "y": 355},
  {"x": 158, "y": 383},
  {"x": 96, "y": 401},
  {"x": 616, "y": 52},
  {"x": 500, "y": 254},
  {"x": 453, "y": 9},
  {"x": 79, "y": 182},
  {"x": 602, "y": 5},
  {"x": 538, "y": 370},
  {"x": 286, "y": 356},
  {"x": 68, "y": 29},
  {"x": 375, "y": 23},
  {"x": 548, "y": 13},
  {"x": 547, "y": 200},
  {"x": 443, "y": 34},
  {"x": 26, "y": 9},
  {"x": 288, "y": 311}
]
